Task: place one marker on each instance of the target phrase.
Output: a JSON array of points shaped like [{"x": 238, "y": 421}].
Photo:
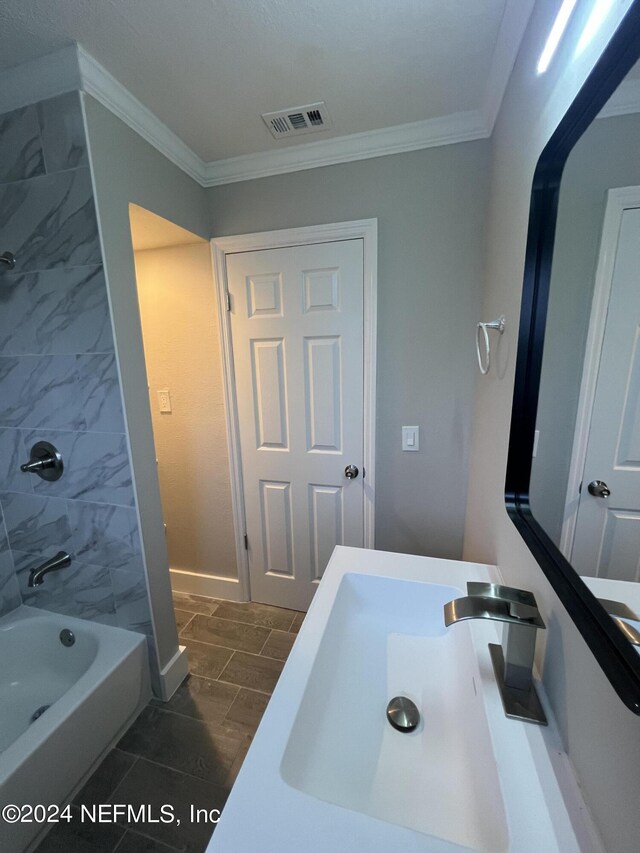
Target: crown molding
[
  {"x": 73, "y": 68},
  {"x": 459, "y": 127},
  {"x": 103, "y": 86},
  {"x": 625, "y": 100},
  {"x": 39, "y": 79}
]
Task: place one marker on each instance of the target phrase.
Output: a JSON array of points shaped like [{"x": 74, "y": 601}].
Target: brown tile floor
[{"x": 188, "y": 751}]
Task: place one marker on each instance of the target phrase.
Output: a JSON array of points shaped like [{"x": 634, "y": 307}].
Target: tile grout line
[
  {"x": 186, "y": 624},
  {"x": 217, "y": 646},
  {"x": 133, "y": 764},
  {"x": 292, "y": 621},
  {"x": 244, "y": 686},
  {"x": 133, "y": 832},
  {"x": 120, "y": 840},
  {"x": 175, "y": 770},
  {"x": 223, "y": 670},
  {"x": 180, "y": 606},
  {"x": 200, "y": 719},
  {"x": 234, "y": 621},
  {"x": 254, "y": 624},
  {"x": 265, "y": 642},
  {"x": 251, "y": 654},
  {"x": 240, "y": 622}
]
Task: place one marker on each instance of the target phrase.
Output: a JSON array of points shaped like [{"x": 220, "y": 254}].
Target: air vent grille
[{"x": 298, "y": 120}]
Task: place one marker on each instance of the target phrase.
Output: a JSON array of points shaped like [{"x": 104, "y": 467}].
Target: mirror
[
  {"x": 573, "y": 482},
  {"x": 585, "y": 474}
]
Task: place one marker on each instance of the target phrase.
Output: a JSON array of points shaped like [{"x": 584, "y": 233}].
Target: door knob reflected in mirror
[
  {"x": 351, "y": 472},
  {"x": 599, "y": 489}
]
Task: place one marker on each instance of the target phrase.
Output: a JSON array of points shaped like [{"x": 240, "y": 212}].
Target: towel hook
[{"x": 498, "y": 326}]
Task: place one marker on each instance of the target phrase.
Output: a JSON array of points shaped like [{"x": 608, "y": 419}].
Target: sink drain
[
  {"x": 403, "y": 714},
  {"x": 67, "y": 637},
  {"x": 39, "y": 712}
]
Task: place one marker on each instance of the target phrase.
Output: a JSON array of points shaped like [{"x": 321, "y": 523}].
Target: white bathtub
[{"x": 94, "y": 689}]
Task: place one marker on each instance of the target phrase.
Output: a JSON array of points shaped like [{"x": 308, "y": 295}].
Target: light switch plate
[
  {"x": 164, "y": 400},
  {"x": 410, "y": 438}
]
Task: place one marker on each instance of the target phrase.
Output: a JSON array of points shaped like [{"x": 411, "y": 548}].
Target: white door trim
[
  {"x": 618, "y": 200},
  {"x": 365, "y": 229}
]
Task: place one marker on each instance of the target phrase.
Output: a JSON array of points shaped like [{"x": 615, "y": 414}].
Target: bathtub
[{"x": 61, "y": 707}]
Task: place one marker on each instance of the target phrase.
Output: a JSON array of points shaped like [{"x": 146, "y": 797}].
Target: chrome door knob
[
  {"x": 599, "y": 489},
  {"x": 351, "y": 472}
]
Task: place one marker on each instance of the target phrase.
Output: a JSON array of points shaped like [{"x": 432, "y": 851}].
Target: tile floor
[{"x": 188, "y": 751}]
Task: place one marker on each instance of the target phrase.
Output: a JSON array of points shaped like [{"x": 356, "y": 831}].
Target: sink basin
[
  {"x": 327, "y": 773},
  {"x": 386, "y": 638}
]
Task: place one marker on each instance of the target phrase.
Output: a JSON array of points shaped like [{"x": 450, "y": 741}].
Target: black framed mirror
[{"x": 573, "y": 471}]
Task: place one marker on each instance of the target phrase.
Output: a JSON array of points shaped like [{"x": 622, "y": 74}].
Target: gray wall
[
  {"x": 601, "y": 736},
  {"x": 605, "y": 157},
  {"x": 126, "y": 169},
  {"x": 58, "y": 382},
  {"x": 430, "y": 207}
]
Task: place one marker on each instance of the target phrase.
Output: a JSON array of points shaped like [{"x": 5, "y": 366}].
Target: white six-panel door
[
  {"x": 297, "y": 339},
  {"x": 607, "y": 535}
]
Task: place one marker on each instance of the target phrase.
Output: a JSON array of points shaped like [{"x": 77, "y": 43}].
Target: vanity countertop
[{"x": 271, "y": 810}]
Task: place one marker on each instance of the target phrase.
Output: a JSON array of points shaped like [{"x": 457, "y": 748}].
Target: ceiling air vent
[{"x": 298, "y": 120}]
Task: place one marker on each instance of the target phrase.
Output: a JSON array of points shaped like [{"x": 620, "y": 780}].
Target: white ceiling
[{"x": 208, "y": 68}]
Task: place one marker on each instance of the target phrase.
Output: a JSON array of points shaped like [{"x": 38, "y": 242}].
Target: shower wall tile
[
  {"x": 106, "y": 536},
  {"x": 132, "y": 602},
  {"x": 13, "y": 452},
  {"x": 36, "y": 525},
  {"x": 59, "y": 383},
  {"x": 99, "y": 393},
  {"x": 10, "y": 597},
  {"x": 55, "y": 312},
  {"x": 62, "y": 132},
  {"x": 39, "y": 391},
  {"x": 80, "y": 590},
  {"x": 21, "y": 154},
  {"x": 61, "y": 392},
  {"x": 50, "y": 221},
  {"x": 96, "y": 467}
]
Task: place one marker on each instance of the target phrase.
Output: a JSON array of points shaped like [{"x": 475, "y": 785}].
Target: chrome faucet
[
  {"x": 60, "y": 561},
  {"x": 513, "y": 665}
]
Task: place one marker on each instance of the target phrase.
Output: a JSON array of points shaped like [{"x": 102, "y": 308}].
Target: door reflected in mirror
[{"x": 585, "y": 479}]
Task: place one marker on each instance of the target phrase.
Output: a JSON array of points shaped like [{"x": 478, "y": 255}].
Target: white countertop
[{"x": 543, "y": 807}]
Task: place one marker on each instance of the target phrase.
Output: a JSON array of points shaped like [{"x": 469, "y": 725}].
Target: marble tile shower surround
[{"x": 59, "y": 382}]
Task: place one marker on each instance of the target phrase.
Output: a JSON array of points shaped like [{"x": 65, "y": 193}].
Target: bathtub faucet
[{"x": 60, "y": 561}]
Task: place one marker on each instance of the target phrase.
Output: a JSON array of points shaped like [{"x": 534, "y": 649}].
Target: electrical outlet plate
[{"x": 164, "y": 400}]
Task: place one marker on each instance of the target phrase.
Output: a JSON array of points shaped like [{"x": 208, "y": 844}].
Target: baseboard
[
  {"x": 213, "y": 586},
  {"x": 173, "y": 674}
]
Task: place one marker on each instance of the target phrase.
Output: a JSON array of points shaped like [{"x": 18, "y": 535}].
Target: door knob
[
  {"x": 599, "y": 489},
  {"x": 351, "y": 472}
]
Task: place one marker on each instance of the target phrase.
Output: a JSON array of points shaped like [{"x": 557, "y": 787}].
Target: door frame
[
  {"x": 367, "y": 231},
  {"x": 618, "y": 200}
]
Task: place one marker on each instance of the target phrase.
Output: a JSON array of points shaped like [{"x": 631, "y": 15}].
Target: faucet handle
[{"x": 522, "y": 603}]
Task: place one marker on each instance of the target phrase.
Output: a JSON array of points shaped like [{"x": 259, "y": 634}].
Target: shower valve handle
[
  {"x": 8, "y": 259},
  {"x": 45, "y": 461}
]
